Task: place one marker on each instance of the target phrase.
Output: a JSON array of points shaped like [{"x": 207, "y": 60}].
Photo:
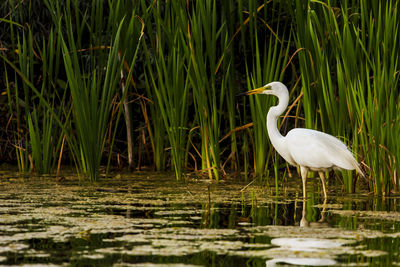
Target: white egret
[{"x": 309, "y": 149}]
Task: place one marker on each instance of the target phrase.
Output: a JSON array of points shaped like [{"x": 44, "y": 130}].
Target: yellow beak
[{"x": 256, "y": 91}]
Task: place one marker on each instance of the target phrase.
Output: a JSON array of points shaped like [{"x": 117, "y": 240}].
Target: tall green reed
[
  {"x": 264, "y": 63},
  {"x": 229, "y": 70},
  {"x": 41, "y": 142},
  {"x": 45, "y": 134},
  {"x": 196, "y": 56},
  {"x": 357, "y": 44},
  {"x": 21, "y": 153},
  {"x": 169, "y": 79},
  {"x": 40, "y": 104},
  {"x": 378, "y": 82},
  {"x": 26, "y": 63},
  {"x": 132, "y": 34},
  {"x": 93, "y": 80},
  {"x": 92, "y": 94},
  {"x": 208, "y": 94}
]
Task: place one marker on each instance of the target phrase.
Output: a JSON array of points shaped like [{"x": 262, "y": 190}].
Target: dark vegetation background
[{"x": 182, "y": 64}]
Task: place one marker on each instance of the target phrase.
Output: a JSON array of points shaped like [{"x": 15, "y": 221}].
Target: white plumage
[
  {"x": 309, "y": 149},
  {"x": 319, "y": 151}
]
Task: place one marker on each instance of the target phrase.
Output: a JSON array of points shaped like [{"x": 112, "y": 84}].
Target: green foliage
[
  {"x": 73, "y": 73},
  {"x": 350, "y": 75},
  {"x": 269, "y": 67},
  {"x": 169, "y": 81},
  {"x": 91, "y": 103},
  {"x": 208, "y": 95}
]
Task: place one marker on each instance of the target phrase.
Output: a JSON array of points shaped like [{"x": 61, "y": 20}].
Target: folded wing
[{"x": 318, "y": 150}]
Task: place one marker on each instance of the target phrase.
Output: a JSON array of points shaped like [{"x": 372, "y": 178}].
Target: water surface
[{"x": 149, "y": 219}]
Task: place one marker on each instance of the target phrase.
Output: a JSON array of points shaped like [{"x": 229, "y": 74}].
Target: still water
[{"x": 152, "y": 220}]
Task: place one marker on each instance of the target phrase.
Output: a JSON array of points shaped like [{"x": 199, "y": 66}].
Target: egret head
[{"x": 272, "y": 88}]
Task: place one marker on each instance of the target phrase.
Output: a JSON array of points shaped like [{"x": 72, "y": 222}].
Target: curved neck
[{"x": 272, "y": 120}]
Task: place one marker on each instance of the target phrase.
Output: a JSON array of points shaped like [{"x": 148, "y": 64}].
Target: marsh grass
[
  {"x": 352, "y": 75},
  {"x": 91, "y": 100},
  {"x": 72, "y": 76},
  {"x": 208, "y": 95},
  {"x": 268, "y": 60},
  {"x": 19, "y": 139},
  {"x": 169, "y": 80}
]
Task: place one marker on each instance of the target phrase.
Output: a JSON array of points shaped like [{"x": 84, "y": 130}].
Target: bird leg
[
  {"x": 303, "y": 171},
  {"x": 303, "y": 221},
  {"x": 322, "y": 176}
]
